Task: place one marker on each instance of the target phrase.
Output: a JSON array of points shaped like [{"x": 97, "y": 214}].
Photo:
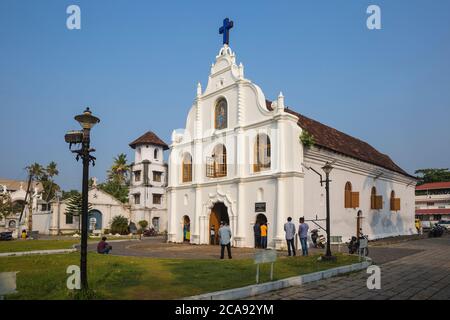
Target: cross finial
[{"x": 225, "y": 30}]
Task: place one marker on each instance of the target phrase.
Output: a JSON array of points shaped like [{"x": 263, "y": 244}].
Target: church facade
[{"x": 243, "y": 159}]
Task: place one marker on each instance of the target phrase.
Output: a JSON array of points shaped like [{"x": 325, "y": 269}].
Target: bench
[{"x": 336, "y": 240}]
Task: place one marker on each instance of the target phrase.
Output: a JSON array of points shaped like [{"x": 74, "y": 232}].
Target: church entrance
[
  {"x": 186, "y": 229},
  {"x": 219, "y": 213},
  {"x": 260, "y": 220}
]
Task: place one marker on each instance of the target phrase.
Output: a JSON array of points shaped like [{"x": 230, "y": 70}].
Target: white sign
[
  {"x": 265, "y": 256},
  {"x": 8, "y": 283}
]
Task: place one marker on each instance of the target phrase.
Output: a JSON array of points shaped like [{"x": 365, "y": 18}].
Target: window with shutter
[
  {"x": 355, "y": 199},
  {"x": 348, "y": 195}
]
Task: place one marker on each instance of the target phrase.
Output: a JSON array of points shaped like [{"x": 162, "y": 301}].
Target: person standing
[
  {"x": 289, "y": 229},
  {"x": 303, "y": 235},
  {"x": 257, "y": 232},
  {"x": 212, "y": 235},
  {"x": 264, "y": 235},
  {"x": 225, "y": 239}
]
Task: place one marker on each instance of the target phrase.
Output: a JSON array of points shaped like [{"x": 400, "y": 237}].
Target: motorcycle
[
  {"x": 317, "y": 239},
  {"x": 436, "y": 231},
  {"x": 353, "y": 245}
]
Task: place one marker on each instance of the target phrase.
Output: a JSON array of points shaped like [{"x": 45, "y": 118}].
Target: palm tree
[
  {"x": 50, "y": 172},
  {"x": 35, "y": 172},
  {"x": 120, "y": 169}
]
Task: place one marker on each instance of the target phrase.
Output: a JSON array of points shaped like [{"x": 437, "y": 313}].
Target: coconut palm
[
  {"x": 35, "y": 172},
  {"x": 50, "y": 186},
  {"x": 120, "y": 169}
]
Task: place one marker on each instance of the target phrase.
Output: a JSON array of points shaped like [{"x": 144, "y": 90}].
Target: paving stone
[{"x": 416, "y": 270}]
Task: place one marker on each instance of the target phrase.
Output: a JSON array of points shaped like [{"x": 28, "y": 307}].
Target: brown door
[{"x": 214, "y": 223}]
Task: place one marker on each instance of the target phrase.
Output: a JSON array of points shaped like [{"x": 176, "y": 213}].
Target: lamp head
[
  {"x": 327, "y": 168},
  {"x": 86, "y": 119}
]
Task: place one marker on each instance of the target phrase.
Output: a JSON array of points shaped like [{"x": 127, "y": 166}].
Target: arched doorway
[
  {"x": 98, "y": 222},
  {"x": 186, "y": 229},
  {"x": 219, "y": 213},
  {"x": 260, "y": 220}
]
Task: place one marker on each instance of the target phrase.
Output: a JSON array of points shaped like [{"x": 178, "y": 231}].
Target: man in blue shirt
[
  {"x": 289, "y": 228},
  {"x": 225, "y": 239},
  {"x": 303, "y": 235}
]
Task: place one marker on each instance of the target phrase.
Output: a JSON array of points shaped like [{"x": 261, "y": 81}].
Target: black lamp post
[
  {"x": 87, "y": 122},
  {"x": 327, "y": 169}
]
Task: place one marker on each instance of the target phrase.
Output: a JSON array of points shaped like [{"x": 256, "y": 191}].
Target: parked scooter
[
  {"x": 436, "y": 231},
  {"x": 353, "y": 246},
  {"x": 317, "y": 239}
]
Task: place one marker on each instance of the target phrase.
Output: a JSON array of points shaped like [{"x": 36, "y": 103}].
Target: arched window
[
  {"x": 155, "y": 154},
  {"x": 348, "y": 195},
  {"x": 261, "y": 153},
  {"x": 216, "y": 165},
  {"x": 376, "y": 201},
  {"x": 351, "y": 198},
  {"x": 221, "y": 114},
  {"x": 395, "y": 202},
  {"x": 260, "y": 195},
  {"x": 187, "y": 167}
]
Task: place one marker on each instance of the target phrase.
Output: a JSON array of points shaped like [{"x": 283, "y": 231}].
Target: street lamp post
[
  {"x": 327, "y": 169},
  {"x": 87, "y": 122}
]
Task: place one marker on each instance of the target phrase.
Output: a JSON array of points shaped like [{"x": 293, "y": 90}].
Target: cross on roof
[{"x": 225, "y": 30}]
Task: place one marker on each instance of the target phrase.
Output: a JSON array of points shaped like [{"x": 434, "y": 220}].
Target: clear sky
[{"x": 137, "y": 63}]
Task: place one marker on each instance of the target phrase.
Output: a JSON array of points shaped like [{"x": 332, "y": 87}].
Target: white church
[{"x": 242, "y": 159}]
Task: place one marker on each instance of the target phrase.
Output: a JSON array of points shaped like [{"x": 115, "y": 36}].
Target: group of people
[
  {"x": 290, "y": 230},
  {"x": 224, "y": 235},
  {"x": 260, "y": 231}
]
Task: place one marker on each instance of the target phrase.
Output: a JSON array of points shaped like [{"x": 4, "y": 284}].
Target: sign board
[
  {"x": 7, "y": 283},
  {"x": 363, "y": 243},
  {"x": 260, "y": 207},
  {"x": 265, "y": 256}
]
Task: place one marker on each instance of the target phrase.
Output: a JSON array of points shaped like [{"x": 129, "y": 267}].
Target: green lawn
[
  {"x": 116, "y": 277},
  {"x": 31, "y": 245}
]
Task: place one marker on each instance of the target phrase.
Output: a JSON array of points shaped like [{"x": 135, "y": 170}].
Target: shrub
[
  {"x": 143, "y": 224},
  {"x": 307, "y": 139},
  {"x": 119, "y": 225}
]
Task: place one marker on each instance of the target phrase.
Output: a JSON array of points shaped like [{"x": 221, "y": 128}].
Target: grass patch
[
  {"x": 32, "y": 245},
  {"x": 116, "y": 277}
]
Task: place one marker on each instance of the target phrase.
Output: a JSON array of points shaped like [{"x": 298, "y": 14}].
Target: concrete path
[{"x": 417, "y": 270}]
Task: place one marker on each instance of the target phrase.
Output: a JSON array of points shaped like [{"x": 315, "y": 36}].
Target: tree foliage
[
  {"x": 118, "y": 179},
  {"x": 75, "y": 205},
  {"x": 6, "y": 205},
  {"x": 119, "y": 225},
  {"x": 143, "y": 224},
  {"x": 432, "y": 175},
  {"x": 307, "y": 139}
]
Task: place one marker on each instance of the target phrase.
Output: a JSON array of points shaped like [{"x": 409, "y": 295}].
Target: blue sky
[{"x": 137, "y": 63}]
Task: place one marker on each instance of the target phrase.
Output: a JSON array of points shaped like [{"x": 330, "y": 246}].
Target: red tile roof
[
  {"x": 434, "y": 186},
  {"x": 433, "y": 211},
  {"x": 149, "y": 138},
  {"x": 339, "y": 142}
]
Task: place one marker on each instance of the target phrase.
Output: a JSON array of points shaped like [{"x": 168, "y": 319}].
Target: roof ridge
[{"x": 343, "y": 143}]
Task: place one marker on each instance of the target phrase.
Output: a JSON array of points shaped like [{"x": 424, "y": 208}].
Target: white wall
[{"x": 376, "y": 223}]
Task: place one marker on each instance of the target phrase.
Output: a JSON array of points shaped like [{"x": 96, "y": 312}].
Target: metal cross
[{"x": 225, "y": 30}]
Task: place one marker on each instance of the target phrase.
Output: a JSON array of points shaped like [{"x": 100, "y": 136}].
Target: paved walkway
[{"x": 416, "y": 270}]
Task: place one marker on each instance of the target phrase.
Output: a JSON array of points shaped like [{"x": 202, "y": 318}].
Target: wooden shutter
[
  {"x": 373, "y": 204},
  {"x": 378, "y": 202},
  {"x": 348, "y": 199},
  {"x": 396, "y": 204},
  {"x": 354, "y": 199}
]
